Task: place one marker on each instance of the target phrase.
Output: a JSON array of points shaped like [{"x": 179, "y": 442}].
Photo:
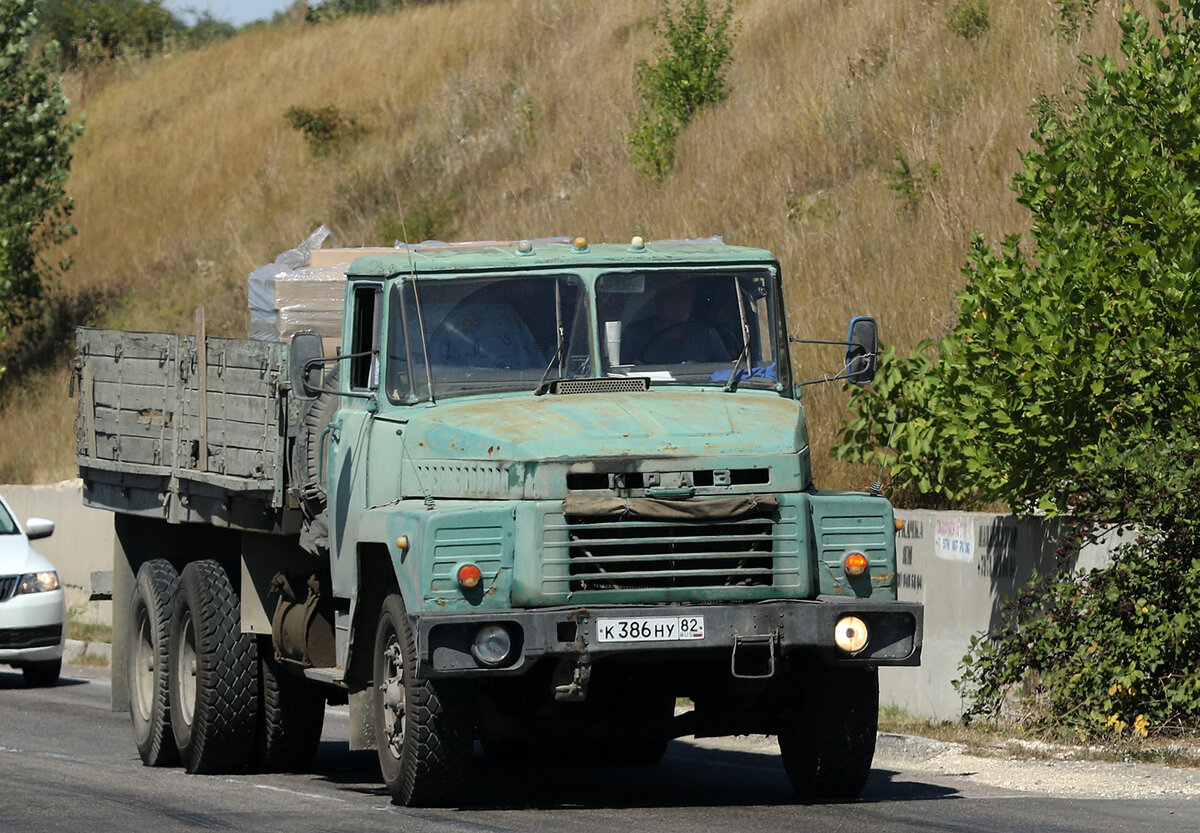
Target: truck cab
[{"x": 583, "y": 473}]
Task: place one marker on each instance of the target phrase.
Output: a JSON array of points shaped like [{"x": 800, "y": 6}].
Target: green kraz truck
[{"x": 542, "y": 493}]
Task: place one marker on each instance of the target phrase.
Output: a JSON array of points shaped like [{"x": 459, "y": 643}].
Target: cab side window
[
  {"x": 399, "y": 378},
  {"x": 364, "y": 338}
]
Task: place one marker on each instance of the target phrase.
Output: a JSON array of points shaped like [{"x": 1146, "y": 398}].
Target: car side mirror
[
  {"x": 36, "y": 528},
  {"x": 307, "y": 371},
  {"x": 862, "y": 350}
]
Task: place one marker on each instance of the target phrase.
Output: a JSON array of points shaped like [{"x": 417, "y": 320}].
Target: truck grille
[
  {"x": 7, "y": 585},
  {"x": 638, "y": 555}
]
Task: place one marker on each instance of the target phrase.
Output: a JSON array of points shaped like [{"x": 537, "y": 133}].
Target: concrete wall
[
  {"x": 82, "y": 539},
  {"x": 963, "y": 566}
]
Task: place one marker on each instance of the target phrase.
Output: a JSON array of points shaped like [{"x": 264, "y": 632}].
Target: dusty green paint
[
  {"x": 481, "y": 478},
  {"x": 449, "y": 262},
  {"x": 663, "y": 422}
]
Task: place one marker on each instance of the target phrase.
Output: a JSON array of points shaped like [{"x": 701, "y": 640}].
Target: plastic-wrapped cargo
[
  {"x": 304, "y": 289},
  {"x": 289, "y": 296}
]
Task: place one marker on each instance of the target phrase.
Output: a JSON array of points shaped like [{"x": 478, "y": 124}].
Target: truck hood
[{"x": 656, "y": 423}]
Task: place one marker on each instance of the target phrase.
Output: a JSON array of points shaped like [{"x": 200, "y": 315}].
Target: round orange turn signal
[
  {"x": 856, "y": 564},
  {"x": 469, "y": 576}
]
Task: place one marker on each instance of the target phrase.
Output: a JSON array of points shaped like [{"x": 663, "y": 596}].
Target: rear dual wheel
[
  {"x": 210, "y": 690},
  {"x": 148, "y": 649},
  {"x": 213, "y": 673}
]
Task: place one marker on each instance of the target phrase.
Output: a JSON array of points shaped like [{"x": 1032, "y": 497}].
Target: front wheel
[
  {"x": 423, "y": 728},
  {"x": 828, "y": 740},
  {"x": 42, "y": 674}
]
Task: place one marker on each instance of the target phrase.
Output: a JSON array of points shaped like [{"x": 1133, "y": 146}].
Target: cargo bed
[{"x": 165, "y": 432}]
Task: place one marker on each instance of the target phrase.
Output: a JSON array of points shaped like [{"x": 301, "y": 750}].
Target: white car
[{"x": 33, "y": 607}]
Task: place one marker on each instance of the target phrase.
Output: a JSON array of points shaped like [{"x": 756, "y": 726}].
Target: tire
[
  {"x": 148, "y": 674},
  {"x": 291, "y": 714},
  {"x": 42, "y": 674},
  {"x": 828, "y": 742},
  {"x": 424, "y": 731},
  {"x": 213, "y": 673},
  {"x": 306, "y": 454}
]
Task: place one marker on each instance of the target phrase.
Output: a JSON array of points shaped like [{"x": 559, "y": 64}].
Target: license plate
[{"x": 651, "y": 629}]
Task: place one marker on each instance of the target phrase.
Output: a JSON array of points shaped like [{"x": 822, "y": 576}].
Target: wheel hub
[
  {"x": 187, "y": 667},
  {"x": 392, "y": 688},
  {"x": 142, "y": 665}
]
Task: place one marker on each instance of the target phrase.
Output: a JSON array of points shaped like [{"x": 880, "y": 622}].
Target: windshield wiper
[
  {"x": 732, "y": 384},
  {"x": 544, "y": 383}
]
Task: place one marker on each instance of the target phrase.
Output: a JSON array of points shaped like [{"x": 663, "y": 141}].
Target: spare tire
[{"x": 306, "y": 453}]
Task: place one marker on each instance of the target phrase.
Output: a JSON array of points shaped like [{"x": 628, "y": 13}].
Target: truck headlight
[
  {"x": 850, "y": 634},
  {"x": 492, "y": 645},
  {"x": 38, "y": 582}
]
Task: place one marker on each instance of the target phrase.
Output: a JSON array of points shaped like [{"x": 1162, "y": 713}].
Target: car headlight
[{"x": 38, "y": 582}]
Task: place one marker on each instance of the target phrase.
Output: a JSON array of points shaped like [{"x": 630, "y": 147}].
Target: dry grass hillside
[{"x": 504, "y": 119}]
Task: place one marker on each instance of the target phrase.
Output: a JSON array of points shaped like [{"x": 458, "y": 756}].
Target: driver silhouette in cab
[{"x": 671, "y": 335}]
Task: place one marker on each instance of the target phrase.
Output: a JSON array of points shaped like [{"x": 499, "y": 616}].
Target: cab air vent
[{"x": 565, "y": 387}]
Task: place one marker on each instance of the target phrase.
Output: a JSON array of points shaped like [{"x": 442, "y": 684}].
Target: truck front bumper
[{"x": 772, "y": 629}]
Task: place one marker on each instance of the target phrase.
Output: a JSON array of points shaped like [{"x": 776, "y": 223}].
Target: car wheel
[
  {"x": 291, "y": 714},
  {"x": 149, "y": 648},
  {"x": 213, "y": 673},
  {"x": 828, "y": 742},
  {"x": 424, "y": 731},
  {"x": 42, "y": 674}
]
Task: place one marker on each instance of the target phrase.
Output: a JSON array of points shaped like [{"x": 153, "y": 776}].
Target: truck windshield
[
  {"x": 487, "y": 334},
  {"x": 690, "y": 326}
]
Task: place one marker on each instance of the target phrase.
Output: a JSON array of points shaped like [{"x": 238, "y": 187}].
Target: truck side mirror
[
  {"x": 306, "y": 371},
  {"x": 862, "y": 350}
]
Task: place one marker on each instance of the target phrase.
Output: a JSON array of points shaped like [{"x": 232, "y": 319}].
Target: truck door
[{"x": 350, "y": 428}]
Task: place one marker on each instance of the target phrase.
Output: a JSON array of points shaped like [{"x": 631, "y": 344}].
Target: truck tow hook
[
  {"x": 576, "y": 690},
  {"x": 753, "y": 657}
]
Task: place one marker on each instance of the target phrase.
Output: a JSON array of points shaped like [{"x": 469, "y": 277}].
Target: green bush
[
  {"x": 911, "y": 180},
  {"x": 1115, "y": 651},
  {"x": 1074, "y": 16},
  {"x": 1069, "y": 383},
  {"x": 432, "y": 217},
  {"x": 968, "y": 19},
  {"x": 325, "y": 129},
  {"x": 687, "y": 73},
  {"x": 333, "y": 9},
  {"x": 35, "y": 160},
  {"x": 100, "y": 30},
  {"x": 1085, "y": 340}
]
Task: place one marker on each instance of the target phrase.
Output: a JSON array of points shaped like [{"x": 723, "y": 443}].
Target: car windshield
[
  {"x": 690, "y": 326},
  {"x": 7, "y": 525},
  {"x": 486, "y": 334}
]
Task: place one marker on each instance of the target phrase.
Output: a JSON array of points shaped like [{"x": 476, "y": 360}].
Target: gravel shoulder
[{"x": 955, "y": 762}]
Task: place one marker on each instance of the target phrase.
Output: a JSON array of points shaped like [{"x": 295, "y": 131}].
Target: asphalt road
[{"x": 68, "y": 764}]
